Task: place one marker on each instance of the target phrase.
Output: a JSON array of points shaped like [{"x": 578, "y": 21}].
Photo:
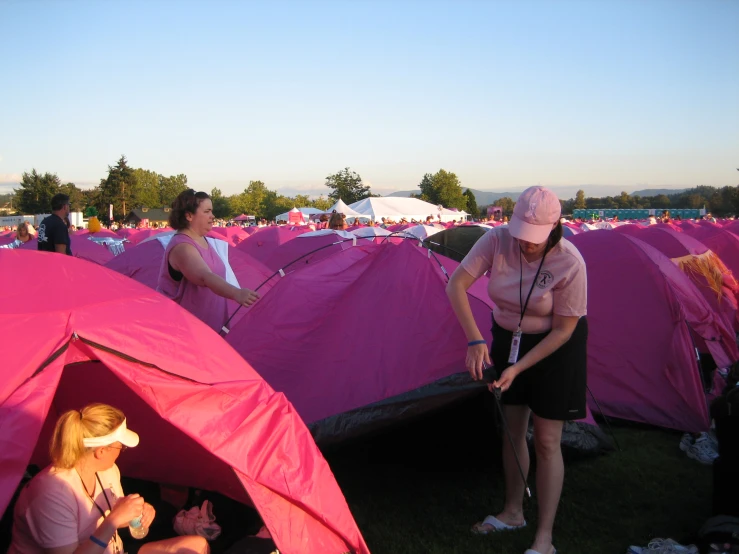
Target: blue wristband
[
  {"x": 97, "y": 541},
  {"x": 474, "y": 342}
]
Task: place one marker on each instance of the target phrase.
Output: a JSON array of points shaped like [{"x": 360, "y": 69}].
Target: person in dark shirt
[{"x": 53, "y": 235}]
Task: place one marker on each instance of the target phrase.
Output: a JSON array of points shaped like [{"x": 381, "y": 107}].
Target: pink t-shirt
[
  {"x": 54, "y": 510},
  {"x": 202, "y": 302},
  {"x": 561, "y": 287}
]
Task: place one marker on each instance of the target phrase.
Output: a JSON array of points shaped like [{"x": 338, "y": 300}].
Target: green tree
[
  {"x": 661, "y": 201},
  {"x": 347, "y": 186},
  {"x": 472, "y": 208},
  {"x": 506, "y": 203},
  {"x": 443, "y": 187},
  {"x": 35, "y": 192},
  {"x": 580, "y": 200},
  {"x": 119, "y": 188},
  {"x": 170, "y": 188},
  {"x": 221, "y": 205},
  {"x": 322, "y": 203},
  {"x": 77, "y": 199},
  {"x": 302, "y": 201},
  {"x": 252, "y": 200},
  {"x": 149, "y": 193}
]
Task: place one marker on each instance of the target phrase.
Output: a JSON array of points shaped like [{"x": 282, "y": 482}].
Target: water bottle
[{"x": 137, "y": 530}]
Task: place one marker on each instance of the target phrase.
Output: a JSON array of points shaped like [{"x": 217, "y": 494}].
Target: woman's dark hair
[
  {"x": 336, "y": 222},
  {"x": 555, "y": 236},
  {"x": 187, "y": 202},
  {"x": 323, "y": 218}
]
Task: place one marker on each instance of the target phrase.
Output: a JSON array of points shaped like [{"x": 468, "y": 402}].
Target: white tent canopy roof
[
  {"x": 397, "y": 208},
  {"x": 342, "y": 208}
]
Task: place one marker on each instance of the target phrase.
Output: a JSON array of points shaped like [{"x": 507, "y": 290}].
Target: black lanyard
[
  {"x": 520, "y": 284},
  {"x": 102, "y": 512}
]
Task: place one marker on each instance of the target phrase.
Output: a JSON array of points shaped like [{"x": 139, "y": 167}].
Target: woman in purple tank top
[{"x": 192, "y": 273}]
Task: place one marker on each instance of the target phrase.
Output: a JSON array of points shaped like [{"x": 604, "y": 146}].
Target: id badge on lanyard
[{"x": 515, "y": 345}]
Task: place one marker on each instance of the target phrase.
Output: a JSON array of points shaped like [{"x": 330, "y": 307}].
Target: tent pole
[{"x": 608, "y": 423}]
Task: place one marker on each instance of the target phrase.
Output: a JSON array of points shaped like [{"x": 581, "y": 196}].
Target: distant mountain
[
  {"x": 482, "y": 197},
  {"x": 657, "y": 192}
]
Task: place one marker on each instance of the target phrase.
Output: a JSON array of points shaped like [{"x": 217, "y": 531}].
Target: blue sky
[{"x": 628, "y": 94}]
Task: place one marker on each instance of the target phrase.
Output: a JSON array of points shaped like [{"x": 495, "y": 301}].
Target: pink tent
[
  {"x": 306, "y": 340},
  {"x": 719, "y": 240},
  {"x": 232, "y": 235},
  {"x": 81, "y": 247},
  {"x": 709, "y": 274},
  {"x": 242, "y": 217},
  {"x": 261, "y": 244},
  {"x": 641, "y": 308},
  {"x": 205, "y": 417},
  {"x": 309, "y": 249},
  {"x": 101, "y": 233},
  {"x": 142, "y": 234}
]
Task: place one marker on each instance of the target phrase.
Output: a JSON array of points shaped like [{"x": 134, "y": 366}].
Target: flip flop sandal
[{"x": 497, "y": 526}]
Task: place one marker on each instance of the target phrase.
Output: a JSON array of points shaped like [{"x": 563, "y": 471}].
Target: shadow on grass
[{"x": 420, "y": 486}]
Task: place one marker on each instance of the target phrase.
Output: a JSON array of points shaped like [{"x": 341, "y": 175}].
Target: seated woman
[
  {"x": 192, "y": 273},
  {"x": 76, "y": 505}
]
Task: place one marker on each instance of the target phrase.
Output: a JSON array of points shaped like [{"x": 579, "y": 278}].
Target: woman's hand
[
  {"x": 126, "y": 509},
  {"x": 246, "y": 297},
  {"x": 477, "y": 360},
  {"x": 148, "y": 516},
  {"x": 506, "y": 379}
]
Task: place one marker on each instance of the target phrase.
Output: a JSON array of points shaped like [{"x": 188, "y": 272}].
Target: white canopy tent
[
  {"x": 342, "y": 208},
  {"x": 397, "y": 208},
  {"x": 307, "y": 213}
]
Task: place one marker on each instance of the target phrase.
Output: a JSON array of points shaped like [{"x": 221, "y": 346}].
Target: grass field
[{"x": 418, "y": 489}]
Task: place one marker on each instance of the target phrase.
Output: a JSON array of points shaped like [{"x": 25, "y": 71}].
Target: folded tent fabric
[{"x": 205, "y": 417}]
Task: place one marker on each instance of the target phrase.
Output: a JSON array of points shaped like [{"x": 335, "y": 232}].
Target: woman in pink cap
[
  {"x": 538, "y": 284},
  {"x": 77, "y": 505}
]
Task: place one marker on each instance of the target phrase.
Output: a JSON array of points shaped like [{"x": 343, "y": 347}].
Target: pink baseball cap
[{"x": 534, "y": 215}]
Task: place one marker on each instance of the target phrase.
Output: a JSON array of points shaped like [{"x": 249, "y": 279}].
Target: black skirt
[{"x": 555, "y": 387}]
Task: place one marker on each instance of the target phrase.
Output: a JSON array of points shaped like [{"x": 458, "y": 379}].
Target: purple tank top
[{"x": 202, "y": 302}]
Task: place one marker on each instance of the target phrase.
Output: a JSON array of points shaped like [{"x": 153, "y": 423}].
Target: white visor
[{"x": 120, "y": 434}]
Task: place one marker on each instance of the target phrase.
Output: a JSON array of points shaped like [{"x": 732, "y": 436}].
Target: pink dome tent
[
  {"x": 306, "y": 340},
  {"x": 642, "y": 308},
  {"x": 82, "y": 247},
  {"x": 233, "y": 235},
  {"x": 719, "y": 240},
  {"x": 709, "y": 274},
  {"x": 261, "y": 244},
  {"x": 205, "y": 417}
]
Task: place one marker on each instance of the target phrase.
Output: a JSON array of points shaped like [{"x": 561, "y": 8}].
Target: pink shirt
[
  {"x": 561, "y": 287},
  {"x": 54, "y": 510},
  {"x": 202, "y": 302}
]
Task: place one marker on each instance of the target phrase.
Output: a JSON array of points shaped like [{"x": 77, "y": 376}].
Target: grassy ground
[{"x": 418, "y": 489}]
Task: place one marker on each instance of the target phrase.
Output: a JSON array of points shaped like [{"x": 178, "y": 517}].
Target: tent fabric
[
  {"x": 203, "y": 414},
  {"x": 641, "y": 360},
  {"x": 699, "y": 263},
  {"x": 719, "y": 240},
  {"x": 233, "y": 235},
  {"x": 455, "y": 243},
  {"x": 261, "y": 244},
  {"x": 397, "y": 208},
  {"x": 81, "y": 248},
  {"x": 342, "y": 208},
  {"x": 311, "y": 316}
]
